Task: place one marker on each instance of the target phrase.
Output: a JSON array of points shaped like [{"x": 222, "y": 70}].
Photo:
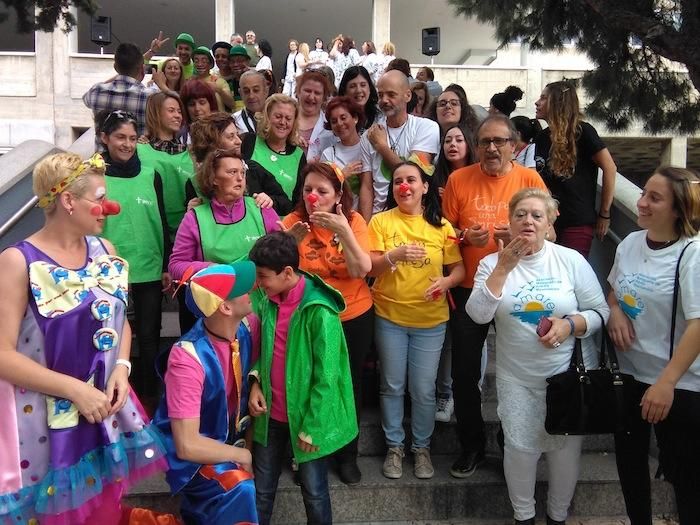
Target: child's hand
[
  {"x": 256, "y": 401},
  {"x": 306, "y": 447}
]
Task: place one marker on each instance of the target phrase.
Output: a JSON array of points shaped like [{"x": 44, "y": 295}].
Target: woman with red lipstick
[
  {"x": 411, "y": 244},
  {"x": 140, "y": 235},
  {"x": 526, "y": 280},
  {"x": 336, "y": 248},
  {"x": 667, "y": 373},
  {"x": 345, "y": 118},
  {"x": 74, "y": 437}
]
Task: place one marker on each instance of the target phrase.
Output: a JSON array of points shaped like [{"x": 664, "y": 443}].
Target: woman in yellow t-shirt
[{"x": 411, "y": 245}]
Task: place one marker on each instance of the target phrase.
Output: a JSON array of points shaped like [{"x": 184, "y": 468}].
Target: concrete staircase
[{"x": 483, "y": 496}]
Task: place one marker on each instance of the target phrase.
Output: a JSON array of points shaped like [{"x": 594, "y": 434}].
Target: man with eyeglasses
[
  {"x": 385, "y": 145},
  {"x": 476, "y": 203}
]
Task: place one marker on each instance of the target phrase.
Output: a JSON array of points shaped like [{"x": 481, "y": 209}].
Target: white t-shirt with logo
[
  {"x": 554, "y": 282},
  {"x": 416, "y": 134},
  {"x": 642, "y": 280},
  {"x": 342, "y": 156}
]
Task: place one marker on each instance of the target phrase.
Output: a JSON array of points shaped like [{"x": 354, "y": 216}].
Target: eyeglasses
[
  {"x": 444, "y": 103},
  {"x": 499, "y": 142}
]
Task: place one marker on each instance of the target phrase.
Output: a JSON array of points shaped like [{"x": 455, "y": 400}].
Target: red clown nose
[
  {"x": 403, "y": 188},
  {"x": 111, "y": 207},
  {"x": 107, "y": 208},
  {"x": 312, "y": 198}
]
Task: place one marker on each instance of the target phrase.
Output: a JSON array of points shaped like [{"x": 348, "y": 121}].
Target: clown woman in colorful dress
[{"x": 72, "y": 436}]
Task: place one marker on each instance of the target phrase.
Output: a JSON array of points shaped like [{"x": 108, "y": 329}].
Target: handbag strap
[
  {"x": 676, "y": 287},
  {"x": 606, "y": 347}
]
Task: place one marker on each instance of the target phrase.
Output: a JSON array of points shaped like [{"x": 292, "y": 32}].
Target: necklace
[
  {"x": 660, "y": 245},
  {"x": 217, "y": 335},
  {"x": 393, "y": 144}
]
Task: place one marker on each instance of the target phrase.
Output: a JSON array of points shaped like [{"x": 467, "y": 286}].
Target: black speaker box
[
  {"x": 101, "y": 30},
  {"x": 431, "y": 41}
]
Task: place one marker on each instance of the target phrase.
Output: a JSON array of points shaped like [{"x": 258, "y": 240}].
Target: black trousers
[
  {"x": 678, "y": 437},
  {"x": 467, "y": 344},
  {"x": 146, "y": 298},
  {"x": 359, "y": 334}
]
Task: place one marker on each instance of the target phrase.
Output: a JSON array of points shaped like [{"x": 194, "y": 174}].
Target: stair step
[
  {"x": 482, "y": 496},
  {"x": 444, "y": 440}
]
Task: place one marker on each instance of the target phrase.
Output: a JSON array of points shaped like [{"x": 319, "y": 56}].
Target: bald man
[{"x": 387, "y": 144}]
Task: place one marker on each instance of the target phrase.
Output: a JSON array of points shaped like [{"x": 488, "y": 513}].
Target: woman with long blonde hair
[{"x": 568, "y": 154}]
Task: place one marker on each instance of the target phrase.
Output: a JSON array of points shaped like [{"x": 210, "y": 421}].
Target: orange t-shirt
[
  {"x": 320, "y": 255},
  {"x": 472, "y": 197}
]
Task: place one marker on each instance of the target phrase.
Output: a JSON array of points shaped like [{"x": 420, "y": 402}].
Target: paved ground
[{"x": 570, "y": 521}]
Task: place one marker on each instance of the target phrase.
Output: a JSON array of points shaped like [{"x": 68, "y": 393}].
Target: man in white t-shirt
[{"x": 386, "y": 145}]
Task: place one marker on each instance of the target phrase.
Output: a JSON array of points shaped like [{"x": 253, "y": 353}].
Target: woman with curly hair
[
  {"x": 568, "y": 154},
  {"x": 504, "y": 103}
]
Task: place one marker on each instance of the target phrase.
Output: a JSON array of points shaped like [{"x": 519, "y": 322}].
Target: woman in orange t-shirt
[{"x": 334, "y": 244}]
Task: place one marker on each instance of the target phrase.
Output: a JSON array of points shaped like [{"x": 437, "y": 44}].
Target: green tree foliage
[
  {"x": 45, "y": 15},
  {"x": 632, "y": 43}
]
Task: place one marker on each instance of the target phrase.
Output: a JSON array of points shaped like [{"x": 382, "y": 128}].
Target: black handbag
[{"x": 581, "y": 401}]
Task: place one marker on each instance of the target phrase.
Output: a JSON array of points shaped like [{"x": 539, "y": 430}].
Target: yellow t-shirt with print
[{"x": 399, "y": 295}]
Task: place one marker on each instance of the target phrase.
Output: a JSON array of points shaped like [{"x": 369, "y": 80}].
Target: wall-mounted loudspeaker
[{"x": 431, "y": 41}]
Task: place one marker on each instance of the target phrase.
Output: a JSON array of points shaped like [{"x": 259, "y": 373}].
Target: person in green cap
[
  {"x": 184, "y": 45},
  {"x": 239, "y": 60},
  {"x": 203, "y": 62}
]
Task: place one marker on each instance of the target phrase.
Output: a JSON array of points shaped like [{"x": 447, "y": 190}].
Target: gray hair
[
  {"x": 551, "y": 205},
  {"x": 501, "y": 119},
  {"x": 252, "y": 73}
]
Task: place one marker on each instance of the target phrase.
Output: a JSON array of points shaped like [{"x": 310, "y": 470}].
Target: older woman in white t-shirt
[{"x": 526, "y": 280}]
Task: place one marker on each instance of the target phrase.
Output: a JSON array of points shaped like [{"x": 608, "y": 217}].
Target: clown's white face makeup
[{"x": 100, "y": 192}]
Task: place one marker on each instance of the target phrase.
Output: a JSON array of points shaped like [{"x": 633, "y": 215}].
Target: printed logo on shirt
[
  {"x": 627, "y": 292},
  {"x": 488, "y": 213},
  {"x": 396, "y": 242},
  {"x": 533, "y": 301},
  {"x": 145, "y": 202}
]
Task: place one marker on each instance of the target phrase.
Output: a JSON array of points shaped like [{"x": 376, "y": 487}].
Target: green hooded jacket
[{"x": 320, "y": 403}]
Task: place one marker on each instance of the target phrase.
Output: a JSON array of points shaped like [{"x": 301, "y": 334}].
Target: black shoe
[
  {"x": 531, "y": 521},
  {"x": 550, "y": 521},
  {"x": 349, "y": 472},
  {"x": 466, "y": 465}
]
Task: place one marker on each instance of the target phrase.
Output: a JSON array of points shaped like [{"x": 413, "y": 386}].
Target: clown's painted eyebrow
[{"x": 100, "y": 192}]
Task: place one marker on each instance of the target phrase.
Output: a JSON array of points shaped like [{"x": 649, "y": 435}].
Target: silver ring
[{"x": 556, "y": 344}]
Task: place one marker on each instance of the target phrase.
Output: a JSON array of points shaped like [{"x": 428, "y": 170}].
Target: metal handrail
[{"x": 18, "y": 215}]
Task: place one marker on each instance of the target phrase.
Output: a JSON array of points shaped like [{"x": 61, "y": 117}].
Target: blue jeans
[
  {"x": 416, "y": 351},
  {"x": 267, "y": 464}
]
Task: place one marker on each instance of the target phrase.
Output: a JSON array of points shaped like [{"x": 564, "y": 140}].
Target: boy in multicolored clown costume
[{"x": 203, "y": 413}]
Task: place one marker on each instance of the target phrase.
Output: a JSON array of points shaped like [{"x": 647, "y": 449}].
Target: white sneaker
[{"x": 444, "y": 408}]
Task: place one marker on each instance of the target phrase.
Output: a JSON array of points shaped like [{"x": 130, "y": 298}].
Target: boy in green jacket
[{"x": 301, "y": 388}]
